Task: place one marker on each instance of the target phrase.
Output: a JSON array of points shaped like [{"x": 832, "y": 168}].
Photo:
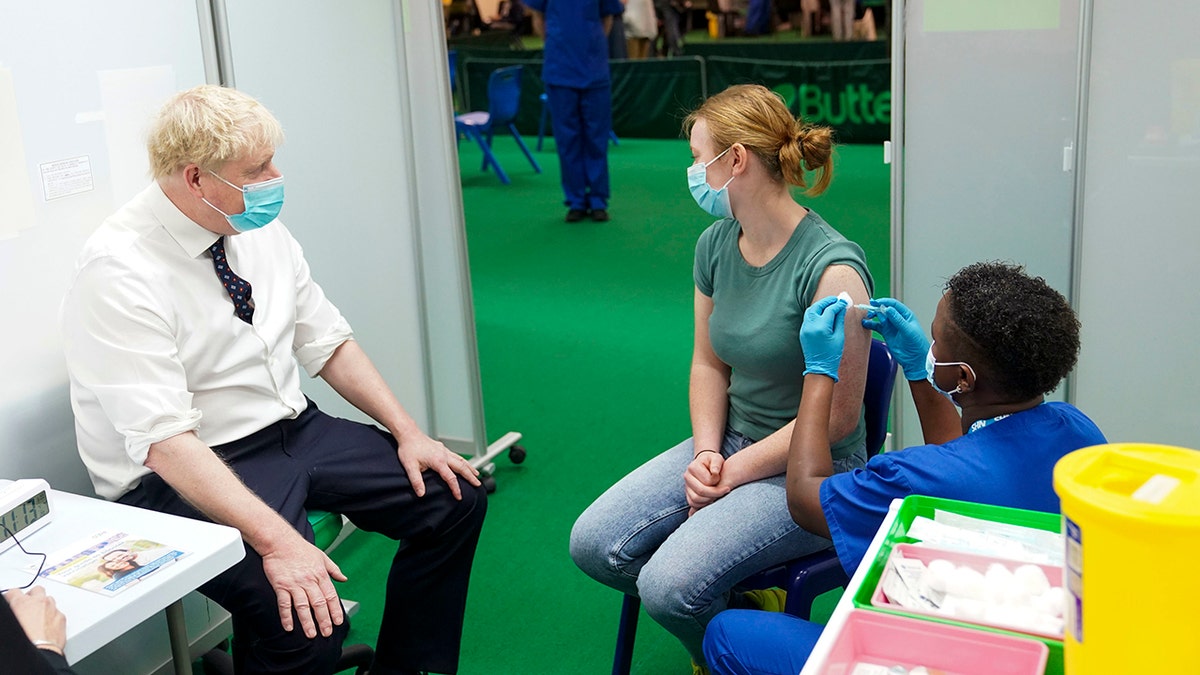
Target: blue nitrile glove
[
  {"x": 903, "y": 334},
  {"x": 823, "y": 336}
]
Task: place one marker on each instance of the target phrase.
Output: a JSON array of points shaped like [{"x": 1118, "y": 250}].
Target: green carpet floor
[{"x": 584, "y": 337}]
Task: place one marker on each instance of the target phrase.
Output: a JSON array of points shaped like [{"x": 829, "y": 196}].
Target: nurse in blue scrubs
[
  {"x": 1002, "y": 340},
  {"x": 579, "y": 93}
]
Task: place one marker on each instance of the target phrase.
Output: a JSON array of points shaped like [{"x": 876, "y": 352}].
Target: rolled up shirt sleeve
[
  {"x": 123, "y": 359},
  {"x": 320, "y": 327}
]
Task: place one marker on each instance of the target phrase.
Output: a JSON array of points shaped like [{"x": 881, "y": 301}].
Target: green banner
[
  {"x": 853, "y": 97},
  {"x": 651, "y": 97},
  {"x": 770, "y": 50}
]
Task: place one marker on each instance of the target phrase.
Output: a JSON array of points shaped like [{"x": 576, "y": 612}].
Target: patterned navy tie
[{"x": 238, "y": 288}]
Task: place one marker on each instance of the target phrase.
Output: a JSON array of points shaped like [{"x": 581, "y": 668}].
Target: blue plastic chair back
[
  {"x": 453, "y": 59},
  {"x": 877, "y": 398},
  {"x": 504, "y": 94}
]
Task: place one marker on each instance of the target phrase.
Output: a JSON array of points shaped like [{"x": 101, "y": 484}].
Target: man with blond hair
[{"x": 188, "y": 317}]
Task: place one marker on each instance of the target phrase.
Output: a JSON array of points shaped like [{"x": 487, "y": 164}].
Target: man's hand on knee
[
  {"x": 300, "y": 574},
  {"x": 420, "y": 452}
]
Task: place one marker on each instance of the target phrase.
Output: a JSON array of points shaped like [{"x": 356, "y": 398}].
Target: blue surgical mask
[
  {"x": 930, "y": 362},
  {"x": 262, "y": 200},
  {"x": 714, "y": 201}
]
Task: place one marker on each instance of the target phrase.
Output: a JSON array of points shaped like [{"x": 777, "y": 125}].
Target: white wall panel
[
  {"x": 78, "y": 82},
  {"x": 330, "y": 73},
  {"x": 373, "y": 190}
]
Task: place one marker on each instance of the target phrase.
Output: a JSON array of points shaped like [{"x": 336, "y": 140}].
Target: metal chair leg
[
  {"x": 488, "y": 157},
  {"x": 521, "y": 142},
  {"x": 626, "y": 632},
  {"x": 809, "y": 582}
]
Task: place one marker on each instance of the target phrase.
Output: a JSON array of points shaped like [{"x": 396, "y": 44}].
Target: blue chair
[
  {"x": 612, "y": 135},
  {"x": 504, "y": 97},
  {"x": 812, "y": 575}
]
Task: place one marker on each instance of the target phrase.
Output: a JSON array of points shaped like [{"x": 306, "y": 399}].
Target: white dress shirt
[{"x": 154, "y": 349}]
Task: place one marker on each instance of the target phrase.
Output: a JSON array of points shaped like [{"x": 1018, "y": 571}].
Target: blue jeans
[{"x": 637, "y": 538}]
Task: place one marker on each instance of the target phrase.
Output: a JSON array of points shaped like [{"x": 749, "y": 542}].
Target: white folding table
[{"x": 93, "y": 619}]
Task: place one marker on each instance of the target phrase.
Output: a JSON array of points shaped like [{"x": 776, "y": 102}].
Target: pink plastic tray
[
  {"x": 979, "y": 563},
  {"x": 890, "y": 640}
]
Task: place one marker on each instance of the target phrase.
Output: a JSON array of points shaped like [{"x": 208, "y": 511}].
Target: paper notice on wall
[
  {"x": 66, "y": 177},
  {"x": 16, "y": 200}
]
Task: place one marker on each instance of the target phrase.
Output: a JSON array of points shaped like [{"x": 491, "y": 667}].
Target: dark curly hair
[{"x": 1023, "y": 332}]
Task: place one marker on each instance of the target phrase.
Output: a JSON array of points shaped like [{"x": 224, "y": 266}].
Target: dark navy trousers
[
  {"x": 582, "y": 121},
  {"x": 321, "y": 462}
]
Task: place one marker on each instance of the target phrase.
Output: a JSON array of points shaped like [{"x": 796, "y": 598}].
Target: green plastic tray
[{"x": 919, "y": 505}]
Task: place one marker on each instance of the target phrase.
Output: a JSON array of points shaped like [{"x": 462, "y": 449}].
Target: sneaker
[
  {"x": 600, "y": 215},
  {"x": 767, "y": 599},
  {"x": 575, "y": 215}
]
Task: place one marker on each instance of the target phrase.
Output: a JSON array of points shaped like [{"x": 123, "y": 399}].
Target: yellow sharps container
[{"x": 1131, "y": 519}]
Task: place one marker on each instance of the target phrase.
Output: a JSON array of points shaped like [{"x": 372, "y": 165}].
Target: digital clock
[{"x": 24, "y": 508}]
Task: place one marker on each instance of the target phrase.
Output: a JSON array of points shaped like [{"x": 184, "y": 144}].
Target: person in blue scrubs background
[
  {"x": 579, "y": 93},
  {"x": 1001, "y": 341}
]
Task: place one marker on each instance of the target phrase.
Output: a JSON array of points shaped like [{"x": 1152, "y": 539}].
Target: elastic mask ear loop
[
  {"x": 713, "y": 160},
  {"x": 974, "y": 378},
  {"x": 718, "y": 156},
  {"x": 213, "y": 206},
  {"x": 958, "y": 387},
  {"x": 218, "y": 177}
]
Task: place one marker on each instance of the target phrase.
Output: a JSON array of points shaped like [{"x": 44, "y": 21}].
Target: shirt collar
[{"x": 193, "y": 239}]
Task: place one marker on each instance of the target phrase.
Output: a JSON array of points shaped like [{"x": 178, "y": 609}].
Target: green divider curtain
[{"x": 650, "y": 97}]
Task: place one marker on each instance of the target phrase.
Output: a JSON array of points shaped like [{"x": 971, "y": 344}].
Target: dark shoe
[
  {"x": 599, "y": 215},
  {"x": 575, "y": 215}
]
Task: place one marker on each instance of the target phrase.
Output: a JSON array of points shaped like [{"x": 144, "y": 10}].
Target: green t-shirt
[{"x": 756, "y": 318}]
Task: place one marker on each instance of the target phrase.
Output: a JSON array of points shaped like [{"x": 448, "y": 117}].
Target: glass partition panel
[
  {"x": 989, "y": 100},
  {"x": 1138, "y": 374}
]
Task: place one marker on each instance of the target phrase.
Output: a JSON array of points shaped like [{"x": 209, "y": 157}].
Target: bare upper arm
[
  {"x": 838, "y": 278},
  {"x": 702, "y": 351},
  {"x": 852, "y": 372}
]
